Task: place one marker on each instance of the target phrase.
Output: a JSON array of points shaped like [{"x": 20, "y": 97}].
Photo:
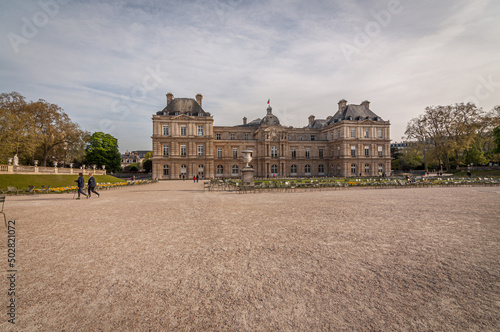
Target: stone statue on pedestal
[{"x": 16, "y": 160}]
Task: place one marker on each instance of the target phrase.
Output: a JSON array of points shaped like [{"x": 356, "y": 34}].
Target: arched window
[
  {"x": 166, "y": 170},
  {"x": 307, "y": 169},
  {"x": 274, "y": 170},
  {"x": 321, "y": 169},
  {"x": 353, "y": 169},
  {"x": 220, "y": 170},
  {"x": 234, "y": 170},
  {"x": 293, "y": 169}
]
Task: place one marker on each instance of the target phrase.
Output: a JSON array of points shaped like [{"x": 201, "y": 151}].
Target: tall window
[
  {"x": 232, "y": 136},
  {"x": 331, "y": 153},
  {"x": 293, "y": 169},
  {"x": 380, "y": 168},
  {"x": 353, "y": 150},
  {"x": 183, "y": 150},
  {"x": 217, "y": 136},
  {"x": 307, "y": 169},
  {"x": 380, "y": 133},
  {"x": 353, "y": 132},
  {"x": 367, "y": 150},
  {"x": 380, "y": 151},
  {"x": 294, "y": 153},
  {"x": 321, "y": 169},
  {"x": 367, "y": 133},
  {"x": 308, "y": 153},
  {"x": 165, "y": 130},
  {"x": 235, "y": 153},
  {"x": 331, "y": 135},
  {"x": 338, "y": 133},
  {"x": 353, "y": 169},
  {"x": 219, "y": 152},
  {"x": 274, "y": 152},
  {"x": 367, "y": 169},
  {"x": 313, "y": 137},
  {"x": 220, "y": 169},
  {"x": 165, "y": 150},
  {"x": 320, "y": 153},
  {"x": 201, "y": 169},
  {"x": 166, "y": 170},
  {"x": 246, "y": 136},
  {"x": 274, "y": 169},
  {"x": 200, "y": 130},
  {"x": 200, "y": 150},
  {"x": 234, "y": 170},
  {"x": 184, "y": 169},
  {"x": 300, "y": 137},
  {"x": 183, "y": 130},
  {"x": 338, "y": 151}
]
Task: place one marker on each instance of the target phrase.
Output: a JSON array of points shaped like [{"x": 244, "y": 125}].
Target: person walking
[
  {"x": 91, "y": 186},
  {"x": 197, "y": 178},
  {"x": 194, "y": 178},
  {"x": 81, "y": 185}
]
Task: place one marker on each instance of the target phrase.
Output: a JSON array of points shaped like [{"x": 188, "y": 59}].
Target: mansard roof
[
  {"x": 183, "y": 106},
  {"x": 354, "y": 112}
]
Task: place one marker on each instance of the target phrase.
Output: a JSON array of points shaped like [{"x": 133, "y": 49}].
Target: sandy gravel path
[{"x": 169, "y": 256}]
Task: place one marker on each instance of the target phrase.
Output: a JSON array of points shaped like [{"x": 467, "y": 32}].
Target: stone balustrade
[{"x": 10, "y": 169}]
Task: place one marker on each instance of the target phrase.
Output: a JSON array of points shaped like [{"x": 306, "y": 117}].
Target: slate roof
[
  {"x": 318, "y": 124},
  {"x": 253, "y": 123},
  {"x": 183, "y": 106},
  {"x": 355, "y": 112}
]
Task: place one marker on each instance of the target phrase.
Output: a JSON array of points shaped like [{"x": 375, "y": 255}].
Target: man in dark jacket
[
  {"x": 92, "y": 185},
  {"x": 81, "y": 185}
]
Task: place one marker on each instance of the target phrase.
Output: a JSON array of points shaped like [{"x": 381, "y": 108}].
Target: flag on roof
[{"x": 268, "y": 101}]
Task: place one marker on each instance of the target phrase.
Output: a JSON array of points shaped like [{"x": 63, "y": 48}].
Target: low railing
[{"x": 21, "y": 169}]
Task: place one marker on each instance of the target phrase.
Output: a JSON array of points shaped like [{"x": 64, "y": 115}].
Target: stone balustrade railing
[{"x": 10, "y": 169}]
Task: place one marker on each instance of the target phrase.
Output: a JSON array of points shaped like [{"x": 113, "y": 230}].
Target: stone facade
[{"x": 353, "y": 141}]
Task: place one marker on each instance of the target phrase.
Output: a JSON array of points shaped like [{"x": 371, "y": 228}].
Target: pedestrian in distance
[
  {"x": 91, "y": 186},
  {"x": 197, "y": 178},
  {"x": 81, "y": 185},
  {"x": 194, "y": 178}
]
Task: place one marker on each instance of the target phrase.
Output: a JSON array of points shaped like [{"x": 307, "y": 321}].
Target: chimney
[
  {"x": 170, "y": 97},
  {"x": 245, "y": 120},
  {"x": 311, "y": 120},
  {"x": 366, "y": 104},
  {"x": 199, "y": 97},
  {"x": 342, "y": 105}
]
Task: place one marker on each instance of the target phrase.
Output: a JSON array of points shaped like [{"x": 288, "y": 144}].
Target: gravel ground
[{"x": 169, "y": 256}]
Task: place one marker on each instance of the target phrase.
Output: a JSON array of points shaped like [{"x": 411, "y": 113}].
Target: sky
[{"x": 109, "y": 64}]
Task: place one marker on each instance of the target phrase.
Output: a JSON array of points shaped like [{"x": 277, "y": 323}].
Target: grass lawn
[{"x": 55, "y": 180}]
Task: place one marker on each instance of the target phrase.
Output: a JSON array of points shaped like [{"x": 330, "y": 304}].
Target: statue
[{"x": 16, "y": 160}]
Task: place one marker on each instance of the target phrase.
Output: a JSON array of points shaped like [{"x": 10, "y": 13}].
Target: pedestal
[{"x": 247, "y": 176}]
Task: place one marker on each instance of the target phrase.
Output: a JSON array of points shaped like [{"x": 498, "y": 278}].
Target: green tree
[
  {"x": 147, "y": 163},
  {"x": 496, "y": 135},
  {"x": 102, "y": 149}
]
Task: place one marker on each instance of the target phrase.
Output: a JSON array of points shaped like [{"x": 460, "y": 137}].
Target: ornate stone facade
[{"x": 353, "y": 142}]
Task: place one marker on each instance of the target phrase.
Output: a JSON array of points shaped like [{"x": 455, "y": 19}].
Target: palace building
[{"x": 354, "y": 141}]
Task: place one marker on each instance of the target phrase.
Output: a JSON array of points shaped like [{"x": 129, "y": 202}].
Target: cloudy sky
[{"x": 109, "y": 64}]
